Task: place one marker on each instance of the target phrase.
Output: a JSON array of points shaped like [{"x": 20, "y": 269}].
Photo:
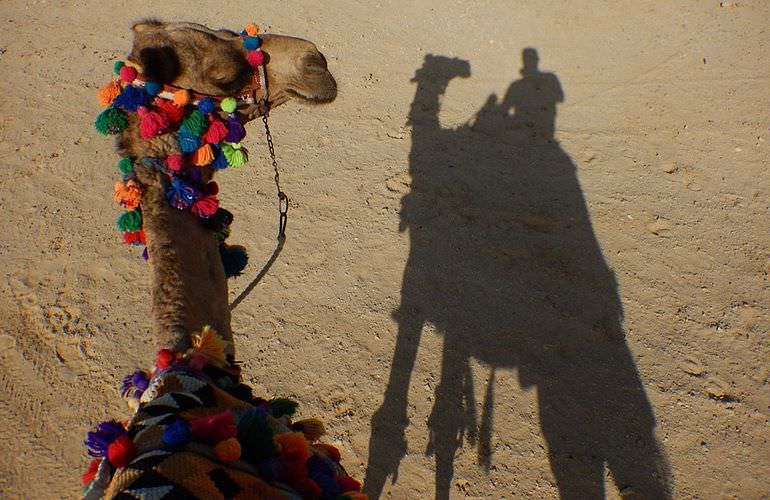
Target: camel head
[{"x": 213, "y": 62}]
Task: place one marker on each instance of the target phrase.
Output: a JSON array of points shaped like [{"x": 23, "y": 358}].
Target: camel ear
[
  {"x": 147, "y": 24},
  {"x": 160, "y": 64}
]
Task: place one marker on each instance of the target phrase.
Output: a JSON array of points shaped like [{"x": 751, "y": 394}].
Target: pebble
[
  {"x": 669, "y": 167},
  {"x": 691, "y": 365},
  {"x": 659, "y": 227}
]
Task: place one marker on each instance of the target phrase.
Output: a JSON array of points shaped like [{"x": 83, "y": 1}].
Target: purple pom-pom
[
  {"x": 134, "y": 384},
  {"x": 99, "y": 440},
  {"x": 322, "y": 471},
  {"x": 235, "y": 130},
  {"x": 180, "y": 194}
]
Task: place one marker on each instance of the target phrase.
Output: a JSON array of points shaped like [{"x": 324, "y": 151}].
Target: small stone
[
  {"x": 659, "y": 227},
  {"x": 691, "y": 365},
  {"x": 669, "y": 167},
  {"x": 717, "y": 388}
]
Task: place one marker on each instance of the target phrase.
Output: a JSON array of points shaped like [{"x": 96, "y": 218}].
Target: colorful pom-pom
[
  {"x": 216, "y": 132},
  {"x": 251, "y": 29},
  {"x": 312, "y": 428},
  {"x": 109, "y": 92},
  {"x": 195, "y": 122},
  {"x": 234, "y": 258},
  {"x": 152, "y": 123},
  {"x": 211, "y": 188},
  {"x": 165, "y": 359},
  {"x": 252, "y": 43},
  {"x": 152, "y": 88},
  {"x": 236, "y": 154},
  {"x": 128, "y": 74},
  {"x": 214, "y": 428},
  {"x": 228, "y": 104},
  {"x": 209, "y": 343},
  {"x": 235, "y": 130},
  {"x": 280, "y": 407},
  {"x": 173, "y": 112},
  {"x": 220, "y": 160},
  {"x": 228, "y": 450},
  {"x": 126, "y": 167},
  {"x": 134, "y": 238},
  {"x": 177, "y": 434},
  {"x": 348, "y": 485},
  {"x": 181, "y": 97},
  {"x": 121, "y": 451},
  {"x": 293, "y": 454},
  {"x": 128, "y": 194},
  {"x": 202, "y": 156},
  {"x": 322, "y": 471},
  {"x": 307, "y": 488},
  {"x": 175, "y": 162},
  {"x": 188, "y": 142},
  {"x": 134, "y": 384},
  {"x": 255, "y": 58},
  {"x": 256, "y": 436},
  {"x": 207, "y": 105},
  {"x": 180, "y": 195},
  {"x": 117, "y": 67},
  {"x": 99, "y": 440},
  {"x": 330, "y": 451},
  {"x": 205, "y": 206},
  {"x": 90, "y": 473},
  {"x": 111, "y": 121},
  {"x": 130, "y": 221},
  {"x": 131, "y": 99}
]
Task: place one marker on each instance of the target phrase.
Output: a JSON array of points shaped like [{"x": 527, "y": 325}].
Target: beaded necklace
[{"x": 204, "y": 139}]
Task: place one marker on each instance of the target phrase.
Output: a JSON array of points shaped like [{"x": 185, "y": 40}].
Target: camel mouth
[
  {"x": 317, "y": 98},
  {"x": 319, "y": 92}
]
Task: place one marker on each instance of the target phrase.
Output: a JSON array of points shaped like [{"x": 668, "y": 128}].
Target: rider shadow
[{"x": 504, "y": 263}]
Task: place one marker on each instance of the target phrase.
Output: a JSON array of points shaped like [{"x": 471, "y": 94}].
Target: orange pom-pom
[
  {"x": 228, "y": 450},
  {"x": 108, "y": 93},
  {"x": 121, "y": 451},
  {"x": 251, "y": 29},
  {"x": 128, "y": 194},
  {"x": 294, "y": 452},
  {"x": 181, "y": 97},
  {"x": 209, "y": 342},
  {"x": 202, "y": 156}
]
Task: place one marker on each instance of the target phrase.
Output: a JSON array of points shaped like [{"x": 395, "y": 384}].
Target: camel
[{"x": 198, "y": 70}]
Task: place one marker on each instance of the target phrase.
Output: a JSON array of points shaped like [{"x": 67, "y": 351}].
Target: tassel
[
  {"x": 175, "y": 163},
  {"x": 111, "y": 121},
  {"x": 152, "y": 123},
  {"x": 209, "y": 343},
  {"x": 206, "y": 105},
  {"x": 128, "y": 194},
  {"x": 294, "y": 452},
  {"x": 220, "y": 160},
  {"x": 234, "y": 257},
  {"x": 205, "y": 206},
  {"x": 131, "y": 99},
  {"x": 216, "y": 132},
  {"x": 108, "y": 93},
  {"x": 130, "y": 221},
  {"x": 180, "y": 195},
  {"x": 126, "y": 167},
  {"x": 188, "y": 142},
  {"x": 235, "y": 130},
  {"x": 90, "y": 473},
  {"x": 181, "y": 98},
  {"x": 121, "y": 451},
  {"x": 173, "y": 112},
  {"x": 282, "y": 407},
  {"x": 255, "y": 436},
  {"x": 312, "y": 428},
  {"x": 236, "y": 154},
  {"x": 215, "y": 428},
  {"x": 202, "y": 156},
  {"x": 228, "y": 450},
  {"x": 177, "y": 435},
  {"x": 134, "y": 238},
  {"x": 134, "y": 384},
  {"x": 195, "y": 122},
  {"x": 99, "y": 440}
]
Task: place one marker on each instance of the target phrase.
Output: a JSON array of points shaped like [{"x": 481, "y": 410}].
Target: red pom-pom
[
  {"x": 128, "y": 74},
  {"x": 294, "y": 453},
  {"x": 205, "y": 206},
  {"x": 173, "y": 112},
  {"x": 212, "y": 188},
  {"x": 348, "y": 484},
  {"x": 166, "y": 358},
  {"x": 255, "y": 58},
  {"x": 197, "y": 361},
  {"x": 331, "y": 452},
  {"x": 153, "y": 123},
  {"x": 216, "y": 132},
  {"x": 215, "y": 428},
  {"x": 90, "y": 473},
  {"x": 175, "y": 162},
  {"x": 134, "y": 237},
  {"x": 121, "y": 451},
  {"x": 308, "y": 489}
]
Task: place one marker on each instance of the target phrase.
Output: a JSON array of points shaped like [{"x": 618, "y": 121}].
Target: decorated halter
[{"x": 204, "y": 139}]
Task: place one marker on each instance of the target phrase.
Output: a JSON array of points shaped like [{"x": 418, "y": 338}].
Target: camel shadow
[{"x": 505, "y": 264}]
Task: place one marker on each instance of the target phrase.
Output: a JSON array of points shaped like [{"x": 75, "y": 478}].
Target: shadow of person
[{"x": 504, "y": 263}]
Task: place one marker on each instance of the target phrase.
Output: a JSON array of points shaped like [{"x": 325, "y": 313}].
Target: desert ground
[{"x": 527, "y": 250}]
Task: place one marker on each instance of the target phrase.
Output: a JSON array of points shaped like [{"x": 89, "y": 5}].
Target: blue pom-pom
[
  {"x": 220, "y": 160},
  {"x": 180, "y": 194},
  {"x": 322, "y": 471},
  {"x": 152, "y": 88},
  {"x": 207, "y": 105},
  {"x": 131, "y": 99},
  {"x": 177, "y": 434},
  {"x": 188, "y": 142},
  {"x": 252, "y": 43},
  {"x": 234, "y": 259}
]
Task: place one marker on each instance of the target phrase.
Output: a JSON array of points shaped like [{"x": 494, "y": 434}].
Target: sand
[{"x": 575, "y": 270}]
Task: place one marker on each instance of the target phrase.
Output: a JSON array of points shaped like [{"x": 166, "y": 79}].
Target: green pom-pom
[
  {"x": 126, "y": 167},
  {"x": 280, "y": 407},
  {"x": 235, "y": 153},
  {"x": 256, "y": 437},
  {"x": 228, "y": 104},
  {"x": 118, "y": 66},
  {"x": 111, "y": 121},
  {"x": 195, "y": 122},
  {"x": 130, "y": 221}
]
